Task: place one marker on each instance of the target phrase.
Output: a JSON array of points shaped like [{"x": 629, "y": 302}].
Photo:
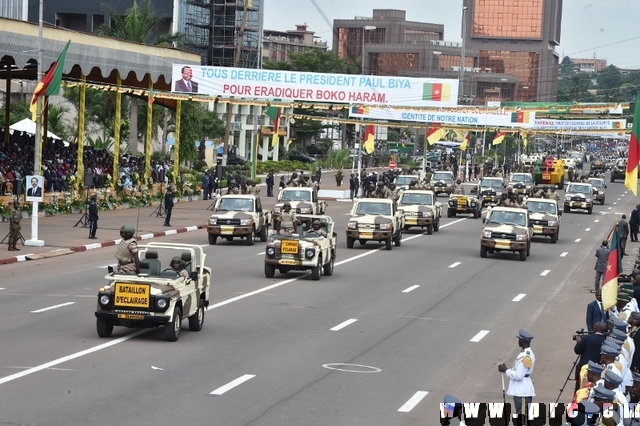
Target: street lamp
[
  {"x": 364, "y": 33},
  {"x": 462, "y": 52},
  {"x": 435, "y": 53}
]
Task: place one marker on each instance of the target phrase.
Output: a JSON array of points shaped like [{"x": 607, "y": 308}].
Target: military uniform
[
  {"x": 127, "y": 252},
  {"x": 520, "y": 384},
  {"x": 14, "y": 227},
  {"x": 253, "y": 189},
  {"x": 287, "y": 222},
  {"x": 180, "y": 270}
]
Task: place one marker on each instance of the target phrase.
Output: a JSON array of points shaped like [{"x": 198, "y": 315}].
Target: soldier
[
  {"x": 316, "y": 227},
  {"x": 233, "y": 189},
  {"x": 287, "y": 220},
  {"x": 178, "y": 267},
  {"x": 252, "y": 189},
  {"x": 520, "y": 384},
  {"x": 14, "y": 226},
  {"x": 339, "y": 177},
  {"x": 520, "y": 202},
  {"x": 413, "y": 184},
  {"x": 593, "y": 373},
  {"x": 381, "y": 191},
  {"x": 314, "y": 184},
  {"x": 553, "y": 194},
  {"x": 394, "y": 194},
  {"x": 293, "y": 180},
  {"x": 127, "y": 252},
  {"x": 371, "y": 191},
  {"x": 503, "y": 201},
  {"x": 458, "y": 188},
  {"x": 545, "y": 192},
  {"x": 93, "y": 217},
  {"x": 168, "y": 205}
]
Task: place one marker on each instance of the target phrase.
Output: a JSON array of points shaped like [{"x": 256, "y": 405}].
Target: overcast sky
[{"x": 606, "y": 28}]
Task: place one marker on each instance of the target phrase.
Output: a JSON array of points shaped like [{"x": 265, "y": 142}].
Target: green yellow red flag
[
  {"x": 50, "y": 83},
  {"x": 631, "y": 175}
]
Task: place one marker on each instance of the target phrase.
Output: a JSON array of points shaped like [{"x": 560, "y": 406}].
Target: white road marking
[
  {"x": 588, "y": 229},
  {"x": 343, "y": 324},
  {"x": 519, "y": 297},
  {"x": 578, "y": 240},
  {"x": 413, "y": 401},
  {"x": 232, "y": 384},
  {"x": 406, "y": 290},
  {"x": 52, "y": 307},
  {"x": 609, "y": 208},
  {"x": 597, "y": 220},
  {"x": 1, "y": 288},
  {"x": 545, "y": 272},
  {"x": 204, "y": 245},
  {"x": 105, "y": 266},
  {"x": 261, "y": 253},
  {"x": 453, "y": 265},
  {"x": 93, "y": 246},
  {"x": 123, "y": 339},
  {"x": 615, "y": 202},
  {"x": 479, "y": 336},
  {"x": 564, "y": 254}
]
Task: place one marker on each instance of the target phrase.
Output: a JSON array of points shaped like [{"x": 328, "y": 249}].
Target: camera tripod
[
  {"x": 20, "y": 237},
  {"x": 84, "y": 219},
  {"x": 160, "y": 210}
]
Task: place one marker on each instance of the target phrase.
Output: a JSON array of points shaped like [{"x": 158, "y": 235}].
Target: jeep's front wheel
[
  {"x": 172, "y": 328},
  {"x": 263, "y": 234},
  {"x": 212, "y": 238},
  {"x": 104, "y": 327},
  {"x": 251, "y": 236},
  {"x": 196, "y": 321},
  {"x": 523, "y": 255},
  {"x": 483, "y": 251},
  {"x": 269, "y": 270},
  {"x": 315, "y": 271},
  {"x": 429, "y": 229},
  {"x": 436, "y": 225},
  {"x": 388, "y": 243},
  {"x": 350, "y": 242},
  {"x": 327, "y": 269}
]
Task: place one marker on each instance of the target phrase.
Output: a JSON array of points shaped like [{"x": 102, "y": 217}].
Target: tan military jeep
[
  {"x": 305, "y": 250},
  {"x": 420, "y": 208},
  {"x": 545, "y": 217},
  {"x": 599, "y": 189},
  {"x": 506, "y": 229},
  {"x": 242, "y": 216},
  {"x": 578, "y": 196},
  {"x": 303, "y": 201},
  {"x": 375, "y": 219},
  {"x": 157, "y": 297}
]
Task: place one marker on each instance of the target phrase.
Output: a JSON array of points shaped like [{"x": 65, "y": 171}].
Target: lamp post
[
  {"x": 462, "y": 52},
  {"x": 434, "y": 53},
  {"x": 364, "y": 33}
]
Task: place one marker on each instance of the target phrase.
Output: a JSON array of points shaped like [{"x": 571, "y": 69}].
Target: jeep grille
[
  {"x": 503, "y": 235},
  {"x": 229, "y": 222}
]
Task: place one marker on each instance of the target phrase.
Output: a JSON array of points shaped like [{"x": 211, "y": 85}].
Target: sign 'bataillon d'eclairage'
[{"x": 320, "y": 87}]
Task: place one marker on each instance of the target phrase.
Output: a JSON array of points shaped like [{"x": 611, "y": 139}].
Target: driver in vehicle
[
  {"x": 176, "y": 265},
  {"x": 316, "y": 228}
]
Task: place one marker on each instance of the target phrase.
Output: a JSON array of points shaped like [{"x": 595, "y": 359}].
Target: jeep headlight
[
  {"x": 451, "y": 203},
  {"x": 521, "y": 237},
  {"x": 552, "y": 223},
  {"x": 104, "y": 299},
  {"x": 588, "y": 200},
  {"x": 309, "y": 253},
  {"x": 277, "y": 209},
  {"x": 213, "y": 221},
  {"x": 567, "y": 197},
  {"x": 385, "y": 225},
  {"x": 486, "y": 234},
  {"x": 352, "y": 224},
  {"x": 246, "y": 222},
  {"x": 499, "y": 193},
  {"x": 161, "y": 303},
  {"x": 305, "y": 210},
  {"x": 271, "y": 251},
  {"x": 427, "y": 214}
]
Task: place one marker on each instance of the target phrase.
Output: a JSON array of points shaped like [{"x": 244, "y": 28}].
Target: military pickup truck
[
  {"x": 506, "y": 229},
  {"x": 442, "y": 182},
  {"x": 464, "y": 204},
  {"x": 303, "y": 200},
  {"x": 544, "y": 216},
  {"x": 420, "y": 208},
  {"x": 490, "y": 189},
  {"x": 236, "y": 215},
  {"x": 521, "y": 184},
  {"x": 578, "y": 196},
  {"x": 305, "y": 250},
  {"x": 599, "y": 189},
  {"x": 157, "y": 297},
  {"x": 375, "y": 219}
]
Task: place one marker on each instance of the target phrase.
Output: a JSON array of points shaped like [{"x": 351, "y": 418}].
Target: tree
[
  {"x": 609, "y": 81},
  {"x": 56, "y": 122},
  {"x": 566, "y": 68},
  {"x": 19, "y": 111},
  {"x": 197, "y": 123}
]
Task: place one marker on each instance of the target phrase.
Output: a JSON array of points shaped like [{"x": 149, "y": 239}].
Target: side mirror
[
  {"x": 194, "y": 276},
  {"x": 259, "y": 210},
  {"x": 110, "y": 269}
]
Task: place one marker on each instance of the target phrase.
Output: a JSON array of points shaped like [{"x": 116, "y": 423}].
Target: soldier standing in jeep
[
  {"x": 127, "y": 252},
  {"x": 287, "y": 220}
]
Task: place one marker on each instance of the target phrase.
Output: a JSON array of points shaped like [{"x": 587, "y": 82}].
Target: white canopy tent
[{"x": 29, "y": 126}]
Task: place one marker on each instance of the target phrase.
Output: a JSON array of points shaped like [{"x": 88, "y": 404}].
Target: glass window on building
[{"x": 508, "y": 19}]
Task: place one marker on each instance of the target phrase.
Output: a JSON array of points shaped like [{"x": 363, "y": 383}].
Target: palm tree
[{"x": 139, "y": 25}]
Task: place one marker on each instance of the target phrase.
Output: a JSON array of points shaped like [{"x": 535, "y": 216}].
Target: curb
[{"x": 86, "y": 247}]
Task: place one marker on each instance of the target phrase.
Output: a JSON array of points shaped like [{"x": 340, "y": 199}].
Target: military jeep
[
  {"x": 421, "y": 209},
  {"x": 238, "y": 216},
  {"x": 305, "y": 250},
  {"x": 156, "y": 297},
  {"x": 375, "y": 219},
  {"x": 464, "y": 204}
]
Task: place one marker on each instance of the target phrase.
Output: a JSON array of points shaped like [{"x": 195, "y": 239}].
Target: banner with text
[
  {"x": 491, "y": 118},
  {"x": 568, "y": 125},
  {"x": 314, "y": 87}
]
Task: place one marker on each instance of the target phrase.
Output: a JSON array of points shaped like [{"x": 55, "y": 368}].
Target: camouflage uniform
[
  {"x": 127, "y": 252},
  {"x": 253, "y": 189},
  {"x": 316, "y": 228},
  {"x": 287, "y": 220},
  {"x": 179, "y": 267},
  {"x": 232, "y": 189},
  {"x": 14, "y": 226}
]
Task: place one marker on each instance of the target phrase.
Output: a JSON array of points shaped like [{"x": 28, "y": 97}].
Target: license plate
[
  {"x": 438, "y": 189},
  {"x": 577, "y": 204},
  {"x": 411, "y": 221},
  {"x": 546, "y": 177},
  {"x": 462, "y": 202},
  {"x": 226, "y": 230},
  {"x": 537, "y": 229},
  {"x": 502, "y": 244},
  {"x": 289, "y": 247},
  {"x": 288, "y": 262},
  {"x": 487, "y": 198},
  {"x": 366, "y": 235},
  {"x": 130, "y": 316}
]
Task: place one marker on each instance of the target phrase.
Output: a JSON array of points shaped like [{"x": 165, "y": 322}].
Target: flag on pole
[
  {"x": 369, "y": 139},
  {"x": 150, "y": 99},
  {"x": 274, "y": 114},
  {"x": 631, "y": 175},
  {"x": 50, "y": 83},
  {"x": 610, "y": 279},
  {"x": 499, "y": 138},
  {"x": 465, "y": 142},
  {"x": 434, "y": 134},
  {"x": 525, "y": 140}
]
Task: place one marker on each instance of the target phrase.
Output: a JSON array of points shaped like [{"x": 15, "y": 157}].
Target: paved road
[{"x": 378, "y": 343}]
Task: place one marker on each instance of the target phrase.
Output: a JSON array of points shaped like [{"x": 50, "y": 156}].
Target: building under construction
[{"x": 213, "y": 28}]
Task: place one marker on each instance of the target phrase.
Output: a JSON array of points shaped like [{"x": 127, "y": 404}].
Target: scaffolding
[{"x": 213, "y": 28}]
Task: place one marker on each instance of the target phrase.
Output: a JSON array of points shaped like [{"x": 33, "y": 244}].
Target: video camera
[{"x": 582, "y": 332}]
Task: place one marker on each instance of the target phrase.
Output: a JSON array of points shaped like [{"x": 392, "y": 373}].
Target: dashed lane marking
[
  {"x": 545, "y": 272},
  {"x": 453, "y": 265},
  {"x": 519, "y": 297},
  {"x": 578, "y": 240},
  {"x": 588, "y": 229},
  {"x": 52, "y": 307},
  {"x": 597, "y": 220},
  {"x": 343, "y": 324},
  {"x": 479, "y": 336},
  {"x": 413, "y": 401},
  {"x": 406, "y": 290},
  {"x": 564, "y": 254},
  {"x": 232, "y": 384}
]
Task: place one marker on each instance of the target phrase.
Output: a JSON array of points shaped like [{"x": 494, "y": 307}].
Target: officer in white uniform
[{"x": 520, "y": 384}]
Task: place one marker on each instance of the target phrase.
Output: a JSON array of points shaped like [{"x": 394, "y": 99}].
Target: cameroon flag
[
  {"x": 434, "y": 134},
  {"x": 614, "y": 267},
  {"x": 369, "y": 140},
  {"x": 631, "y": 176},
  {"x": 499, "y": 138},
  {"x": 50, "y": 83},
  {"x": 463, "y": 145},
  {"x": 274, "y": 114}
]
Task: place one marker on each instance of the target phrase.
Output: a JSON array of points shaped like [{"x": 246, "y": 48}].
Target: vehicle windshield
[
  {"x": 581, "y": 189},
  {"x": 442, "y": 176},
  {"x": 597, "y": 183},
  {"x": 235, "y": 204},
  {"x": 374, "y": 208},
  {"x": 491, "y": 183},
  {"x": 524, "y": 178},
  {"x": 404, "y": 180},
  {"x": 295, "y": 195},
  {"x": 540, "y": 207},
  {"x": 508, "y": 218},
  {"x": 414, "y": 198}
]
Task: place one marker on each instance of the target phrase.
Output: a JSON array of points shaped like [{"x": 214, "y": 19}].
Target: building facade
[
  {"x": 276, "y": 45},
  {"x": 516, "y": 37},
  {"x": 590, "y": 66}
]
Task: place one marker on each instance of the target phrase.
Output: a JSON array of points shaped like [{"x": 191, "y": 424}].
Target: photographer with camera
[{"x": 588, "y": 347}]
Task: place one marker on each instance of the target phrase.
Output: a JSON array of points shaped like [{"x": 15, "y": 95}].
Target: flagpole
[{"x": 34, "y": 241}]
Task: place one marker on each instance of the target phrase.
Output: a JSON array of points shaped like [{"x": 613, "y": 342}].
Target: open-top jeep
[
  {"x": 421, "y": 209},
  {"x": 305, "y": 250},
  {"x": 375, "y": 219},
  {"x": 155, "y": 296},
  {"x": 464, "y": 204},
  {"x": 521, "y": 184},
  {"x": 236, "y": 215}
]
